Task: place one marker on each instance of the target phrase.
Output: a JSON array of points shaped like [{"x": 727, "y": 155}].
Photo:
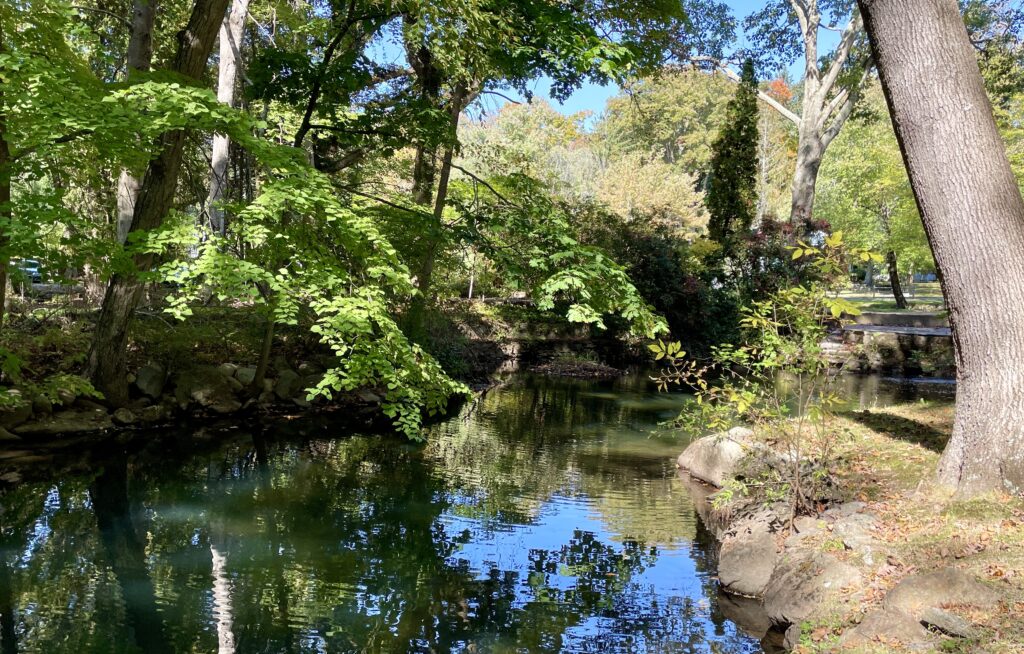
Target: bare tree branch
[
  {"x": 842, "y": 53},
  {"x": 764, "y": 97}
]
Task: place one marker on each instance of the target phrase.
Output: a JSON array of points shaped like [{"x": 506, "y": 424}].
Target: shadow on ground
[{"x": 903, "y": 429}]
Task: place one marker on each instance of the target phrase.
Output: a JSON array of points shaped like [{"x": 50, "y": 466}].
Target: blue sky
[{"x": 592, "y": 97}]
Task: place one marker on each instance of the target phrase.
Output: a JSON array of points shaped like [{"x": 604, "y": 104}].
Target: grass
[{"x": 890, "y": 457}]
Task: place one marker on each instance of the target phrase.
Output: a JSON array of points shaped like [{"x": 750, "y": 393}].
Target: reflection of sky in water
[{"x": 549, "y": 519}]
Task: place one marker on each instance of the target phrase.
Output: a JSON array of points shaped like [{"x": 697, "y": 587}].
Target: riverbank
[
  {"x": 894, "y": 564},
  {"x": 204, "y": 369}
]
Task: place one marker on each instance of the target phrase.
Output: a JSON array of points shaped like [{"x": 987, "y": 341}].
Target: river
[{"x": 547, "y": 517}]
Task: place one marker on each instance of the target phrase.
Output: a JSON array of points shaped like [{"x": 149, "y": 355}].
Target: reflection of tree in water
[
  {"x": 346, "y": 546},
  {"x": 541, "y": 437}
]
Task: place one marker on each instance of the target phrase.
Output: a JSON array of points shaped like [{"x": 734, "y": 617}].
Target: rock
[
  {"x": 10, "y": 478},
  {"x": 8, "y": 437},
  {"x": 746, "y": 561},
  {"x": 916, "y": 594},
  {"x": 130, "y": 378},
  {"x": 266, "y": 397},
  {"x": 41, "y": 405},
  {"x": 245, "y": 375},
  {"x": 301, "y": 402},
  {"x": 154, "y": 413},
  {"x": 17, "y": 412},
  {"x": 235, "y": 384},
  {"x": 124, "y": 417},
  {"x": 792, "y": 637},
  {"x": 227, "y": 369},
  {"x": 287, "y": 384},
  {"x": 307, "y": 368},
  {"x": 887, "y": 625},
  {"x": 948, "y": 623},
  {"x": 207, "y": 387},
  {"x": 150, "y": 380},
  {"x": 71, "y": 421},
  {"x": 268, "y": 384},
  {"x": 66, "y": 396},
  {"x": 806, "y": 525},
  {"x": 803, "y": 582},
  {"x": 855, "y": 531},
  {"x": 715, "y": 459},
  {"x": 845, "y": 510},
  {"x": 368, "y": 396}
]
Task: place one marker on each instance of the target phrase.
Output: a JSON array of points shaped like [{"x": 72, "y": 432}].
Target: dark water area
[{"x": 546, "y": 517}]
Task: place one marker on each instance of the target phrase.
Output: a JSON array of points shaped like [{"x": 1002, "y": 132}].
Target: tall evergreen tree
[{"x": 732, "y": 190}]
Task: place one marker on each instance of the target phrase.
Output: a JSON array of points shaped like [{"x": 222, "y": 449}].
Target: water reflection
[{"x": 547, "y": 518}]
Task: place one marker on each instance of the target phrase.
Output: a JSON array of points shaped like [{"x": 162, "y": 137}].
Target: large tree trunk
[
  {"x": 139, "y": 59},
  {"x": 227, "y": 79},
  {"x": 973, "y": 214},
  {"x": 106, "y": 362},
  {"x": 805, "y": 178}
]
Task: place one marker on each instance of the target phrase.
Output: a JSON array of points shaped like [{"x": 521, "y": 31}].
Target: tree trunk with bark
[
  {"x": 973, "y": 214},
  {"x": 106, "y": 363},
  {"x": 6, "y": 210},
  {"x": 415, "y": 321},
  {"x": 827, "y": 102},
  {"x": 894, "y": 280},
  {"x": 139, "y": 59},
  {"x": 231, "y": 32}
]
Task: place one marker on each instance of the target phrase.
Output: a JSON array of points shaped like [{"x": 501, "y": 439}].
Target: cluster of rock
[
  {"x": 160, "y": 395},
  {"x": 813, "y": 568}
]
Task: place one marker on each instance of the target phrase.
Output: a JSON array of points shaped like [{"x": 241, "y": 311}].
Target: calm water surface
[{"x": 547, "y": 517}]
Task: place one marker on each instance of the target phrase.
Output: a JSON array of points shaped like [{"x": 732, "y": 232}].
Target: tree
[
  {"x": 138, "y": 60},
  {"x": 231, "y": 33},
  {"x": 831, "y": 83},
  {"x": 973, "y": 213},
  {"x": 105, "y": 365},
  {"x": 732, "y": 191}
]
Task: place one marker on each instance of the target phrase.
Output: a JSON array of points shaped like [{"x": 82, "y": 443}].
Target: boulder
[
  {"x": 124, "y": 417},
  {"x": 150, "y": 380},
  {"x": 855, "y": 532},
  {"x": 919, "y": 593},
  {"x": 66, "y": 396},
  {"x": 746, "y": 561},
  {"x": 888, "y": 625},
  {"x": 245, "y": 375},
  {"x": 715, "y": 459},
  {"x": 288, "y": 383},
  {"x": 369, "y": 397},
  {"x": 154, "y": 413},
  {"x": 41, "y": 405},
  {"x": 207, "y": 387},
  {"x": 15, "y": 413},
  {"x": 227, "y": 369},
  {"x": 805, "y": 581},
  {"x": 8, "y": 437},
  {"x": 948, "y": 623},
  {"x": 70, "y": 421}
]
